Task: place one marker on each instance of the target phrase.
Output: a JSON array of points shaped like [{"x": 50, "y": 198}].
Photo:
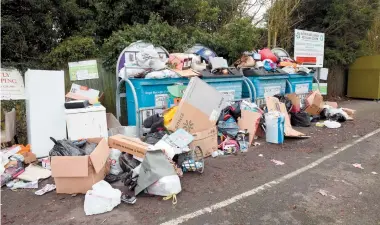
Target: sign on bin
[
  {"x": 229, "y": 96},
  {"x": 271, "y": 91},
  {"x": 301, "y": 88}
]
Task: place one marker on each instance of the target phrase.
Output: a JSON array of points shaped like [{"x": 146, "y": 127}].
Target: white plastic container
[
  {"x": 274, "y": 127},
  {"x": 89, "y": 122}
]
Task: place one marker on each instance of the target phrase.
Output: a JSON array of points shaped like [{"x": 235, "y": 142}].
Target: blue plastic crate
[
  {"x": 300, "y": 84},
  {"x": 154, "y": 93},
  {"x": 265, "y": 86}
]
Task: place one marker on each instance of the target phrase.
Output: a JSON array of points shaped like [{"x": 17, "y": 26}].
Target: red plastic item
[{"x": 266, "y": 53}]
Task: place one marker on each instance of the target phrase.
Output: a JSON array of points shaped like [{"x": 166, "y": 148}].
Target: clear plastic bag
[
  {"x": 166, "y": 186},
  {"x": 102, "y": 198},
  {"x": 115, "y": 164}
]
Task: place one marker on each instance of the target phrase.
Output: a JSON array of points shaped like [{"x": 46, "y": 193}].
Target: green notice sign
[
  {"x": 322, "y": 88},
  {"x": 83, "y": 70}
]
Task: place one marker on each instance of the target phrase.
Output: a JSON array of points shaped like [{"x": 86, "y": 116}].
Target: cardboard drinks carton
[{"x": 129, "y": 145}]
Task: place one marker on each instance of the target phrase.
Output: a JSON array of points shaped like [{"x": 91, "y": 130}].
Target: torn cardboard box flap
[
  {"x": 207, "y": 140},
  {"x": 129, "y": 145},
  {"x": 77, "y": 174}
]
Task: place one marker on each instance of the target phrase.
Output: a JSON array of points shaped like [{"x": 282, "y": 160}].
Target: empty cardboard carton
[
  {"x": 77, "y": 174},
  {"x": 129, "y": 145},
  {"x": 314, "y": 103}
]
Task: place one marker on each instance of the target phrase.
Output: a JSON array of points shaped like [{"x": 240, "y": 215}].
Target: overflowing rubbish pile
[{"x": 110, "y": 164}]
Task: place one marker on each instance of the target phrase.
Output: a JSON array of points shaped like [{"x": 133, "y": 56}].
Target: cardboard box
[
  {"x": 314, "y": 103},
  {"x": 207, "y": 140},
  {"x": 199, "y": 108},
  {"x": 77, "y": 174},
  {"x": 249, "y": 121},
  {"x": 129, "y": 145}
]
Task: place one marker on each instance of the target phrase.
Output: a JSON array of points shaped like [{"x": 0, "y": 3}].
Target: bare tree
[{"x": 281, "y": 21}]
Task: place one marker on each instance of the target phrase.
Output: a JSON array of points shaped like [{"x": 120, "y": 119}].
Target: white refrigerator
[{"x": 45, "y": 111}]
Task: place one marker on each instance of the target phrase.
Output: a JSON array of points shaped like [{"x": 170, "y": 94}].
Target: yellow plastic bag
[{"x": 169, "y": 114}]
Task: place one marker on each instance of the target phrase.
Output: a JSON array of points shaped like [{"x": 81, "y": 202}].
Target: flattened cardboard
[
  {"x": 200, "y": 104},
  {"x": 249, "y": 121},
  {"x": 273, "y": 104},
  {"x": 314, "y": 103},
  {"x": 207, "y": 140},
  {"x": 289, "y": 131},
  {"x": 186, "y": 73},
  {"x": 129, "y": 145},
  {"x": 77, "y": 174}
]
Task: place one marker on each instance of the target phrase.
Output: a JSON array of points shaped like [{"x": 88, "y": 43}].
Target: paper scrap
[
  {"x": 47, "y": 188},
  {"x": 277, "y": 162},
  {"x": 261, "y": 155},
  {"x": 357, "y": 165},
  {"x": 322, "y": 192},
  {"x": 373, "y": 172}
]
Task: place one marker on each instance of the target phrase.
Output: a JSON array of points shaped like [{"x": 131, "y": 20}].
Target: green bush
[{"x": 72, "y": 49}]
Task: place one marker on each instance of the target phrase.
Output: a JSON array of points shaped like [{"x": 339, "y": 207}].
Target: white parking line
[{"x": 265, "y": 186}]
